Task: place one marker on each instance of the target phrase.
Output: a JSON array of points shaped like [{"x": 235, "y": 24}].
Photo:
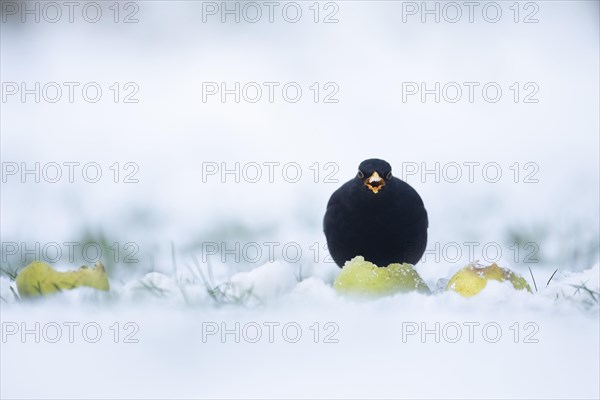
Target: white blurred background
[{"x": 368, "y": 54}]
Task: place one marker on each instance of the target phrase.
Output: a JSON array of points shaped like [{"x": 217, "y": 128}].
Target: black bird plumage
[{"x": 377, "y": 216}]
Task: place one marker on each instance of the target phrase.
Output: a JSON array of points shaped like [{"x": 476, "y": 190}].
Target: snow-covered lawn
[{"x": 268, "y": 334}]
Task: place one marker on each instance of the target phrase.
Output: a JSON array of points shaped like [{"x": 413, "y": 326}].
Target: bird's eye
[
  {"x": 389, "y": 175},
  {"x": 360, "y": 175}
]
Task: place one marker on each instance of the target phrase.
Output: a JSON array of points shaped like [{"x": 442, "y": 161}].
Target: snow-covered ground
[
  {"x": 164, "y": 237},
  {"x": 264, "y": 334}
]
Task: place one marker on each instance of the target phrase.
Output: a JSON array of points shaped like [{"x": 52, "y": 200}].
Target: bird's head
[{"x": 374, "y": 173}]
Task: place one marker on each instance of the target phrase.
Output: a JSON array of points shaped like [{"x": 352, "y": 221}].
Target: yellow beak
[{"x": 374, "y": 183}]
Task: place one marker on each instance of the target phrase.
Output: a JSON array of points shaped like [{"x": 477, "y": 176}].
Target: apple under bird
[{"x": 377, "y": 216}]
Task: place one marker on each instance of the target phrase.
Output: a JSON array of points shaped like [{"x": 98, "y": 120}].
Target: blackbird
[{"x": 377, "y": 216}]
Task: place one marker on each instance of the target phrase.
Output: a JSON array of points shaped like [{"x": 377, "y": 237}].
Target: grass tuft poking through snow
[{"x": 200, "y": 285}]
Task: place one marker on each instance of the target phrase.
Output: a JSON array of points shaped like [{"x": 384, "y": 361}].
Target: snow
[
  {"x": 172, "y": 297},
  {"x": 499, "y": 343},
  {"x": 265, "y": 281}
]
